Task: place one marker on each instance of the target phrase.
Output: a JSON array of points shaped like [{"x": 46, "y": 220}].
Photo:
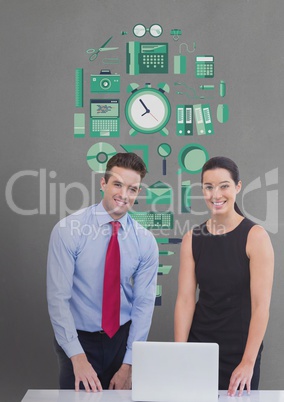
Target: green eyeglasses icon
[{"x": 140, "y": 30}]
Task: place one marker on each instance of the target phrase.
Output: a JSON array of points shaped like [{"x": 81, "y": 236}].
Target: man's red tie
[{"x": 111, "y": 290}]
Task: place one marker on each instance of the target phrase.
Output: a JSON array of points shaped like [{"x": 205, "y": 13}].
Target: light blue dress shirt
[{"x": 75, "y": 272}]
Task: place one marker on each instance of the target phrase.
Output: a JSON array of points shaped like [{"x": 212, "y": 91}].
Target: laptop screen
[
  {"x": 104, "y": 108},
  {"x": 175, "y": 372}
]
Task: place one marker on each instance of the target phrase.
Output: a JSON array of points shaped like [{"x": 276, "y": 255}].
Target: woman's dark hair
[
  {"x": 221, "y": 162},
  {"x": 127, "y": 160}
]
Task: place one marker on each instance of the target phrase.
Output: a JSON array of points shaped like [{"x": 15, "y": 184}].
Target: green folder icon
[
  {"x": 203, "y": 119},
  {"x": 159, "y": 193}
]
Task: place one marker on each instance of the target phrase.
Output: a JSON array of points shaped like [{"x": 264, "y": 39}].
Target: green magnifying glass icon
[{"x": 164, "y": 151}]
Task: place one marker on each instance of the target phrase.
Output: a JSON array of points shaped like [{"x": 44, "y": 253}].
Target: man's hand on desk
[
  {"x": 84, "y": 372},
  {"x": 122, "y": 378}
]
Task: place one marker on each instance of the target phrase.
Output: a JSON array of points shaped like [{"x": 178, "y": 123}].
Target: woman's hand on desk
[
  {"x": 122, "y": 378},
  {"x": 241, "y": 377},
  {"x": 84, "y": 372}
]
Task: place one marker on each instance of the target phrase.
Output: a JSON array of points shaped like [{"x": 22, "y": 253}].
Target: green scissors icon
[{"x": 95, "y": 52}]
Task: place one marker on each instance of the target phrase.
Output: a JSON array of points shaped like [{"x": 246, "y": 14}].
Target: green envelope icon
[{"x": 159, "y": 193}]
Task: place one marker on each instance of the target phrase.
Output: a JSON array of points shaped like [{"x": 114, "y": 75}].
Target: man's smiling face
[{"x": 120, "y": 191}]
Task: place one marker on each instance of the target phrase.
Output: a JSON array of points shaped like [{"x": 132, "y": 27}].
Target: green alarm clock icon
[{"x": 148, "y": 110}]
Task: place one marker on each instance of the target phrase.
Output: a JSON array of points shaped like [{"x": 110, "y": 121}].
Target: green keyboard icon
[{"x": 154, "y": 220}]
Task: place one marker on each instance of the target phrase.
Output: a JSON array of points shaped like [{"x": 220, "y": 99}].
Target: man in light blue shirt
[{"x": 87, "y": 357}]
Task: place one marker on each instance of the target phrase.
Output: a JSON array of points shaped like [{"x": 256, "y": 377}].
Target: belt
[{"x": 102, "y": 332}]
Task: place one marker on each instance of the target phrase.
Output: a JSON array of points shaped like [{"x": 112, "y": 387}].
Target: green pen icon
[
  {"x": 165, "y": 252},
  {"x": 222, "y": 89},
  {"x": 208, "y": 87},
  {"x": 168, "y": 240}
]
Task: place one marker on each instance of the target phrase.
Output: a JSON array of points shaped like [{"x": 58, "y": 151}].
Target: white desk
[{"x": 125, "y": 396}]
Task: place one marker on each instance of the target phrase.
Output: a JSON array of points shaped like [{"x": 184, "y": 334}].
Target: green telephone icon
[{"x": 146, "y": 58}]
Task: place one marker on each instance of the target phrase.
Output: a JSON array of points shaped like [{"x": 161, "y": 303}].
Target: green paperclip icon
[{"x": 176, "y": 33}]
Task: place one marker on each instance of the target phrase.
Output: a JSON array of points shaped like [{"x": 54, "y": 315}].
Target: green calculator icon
[{"x": 204, "y": 66}]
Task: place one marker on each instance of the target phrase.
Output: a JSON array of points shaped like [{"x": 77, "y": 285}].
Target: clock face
[{"x": 148, "y": 110}]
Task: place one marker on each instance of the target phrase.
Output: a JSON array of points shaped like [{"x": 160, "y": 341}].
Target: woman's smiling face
[{"x": 219, "y": 190}]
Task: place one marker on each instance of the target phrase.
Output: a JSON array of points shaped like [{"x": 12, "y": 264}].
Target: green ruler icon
[{"x": 79, "y": 74}]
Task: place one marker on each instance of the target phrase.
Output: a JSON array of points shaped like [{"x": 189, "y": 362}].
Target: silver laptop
[{"x": 175, "y": 372}]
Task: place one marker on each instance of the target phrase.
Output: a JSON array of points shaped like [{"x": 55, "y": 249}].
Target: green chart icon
[{"x": 98, "y": 156}]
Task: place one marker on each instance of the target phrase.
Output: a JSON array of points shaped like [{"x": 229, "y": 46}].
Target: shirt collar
[{"x": 103, "y": 217}]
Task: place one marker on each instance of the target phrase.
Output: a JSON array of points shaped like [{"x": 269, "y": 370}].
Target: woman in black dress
[{"x": 231, "y": 260}]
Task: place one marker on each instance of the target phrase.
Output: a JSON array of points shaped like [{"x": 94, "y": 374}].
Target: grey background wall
[{"x": 42, "y": 42}]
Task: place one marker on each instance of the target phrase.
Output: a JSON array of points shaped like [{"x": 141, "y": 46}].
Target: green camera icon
[{"x": 105, "y": 82}]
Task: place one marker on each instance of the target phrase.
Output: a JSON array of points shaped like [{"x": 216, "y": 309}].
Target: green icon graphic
[
  {"x": 207, "y": 87},
  {"x": 95, "y": 52},
  {"x": 176, "y": 33},
  {"x": 104, "y": 118},
  {"x": 146, "y": 58},
  {"x": 180, "y": 64},
  {"x": 148, "y": 110},
  {"x": 140, "y": 30},
  {"x": 158, "y": 301},
  {"x": 79, "y": 87},
  {"x": 138, "y": 147},
  {"x": 185, "y": 196},
  {"x": 105, "y": 82},
  {"x": 166, "y": 252},
  {"x": 180, "y": 60},
  {"x": 190, "y": 92},
  {"x": 184, "y": 120},
  {"x": 203, "y": 119},
  {"x": 168, "y": 240},
  {"x": 159, "y": 193},
  {"x": 154, "y": 220},
  {"x": 223, "y": 113},
  {"x": 164, "y": 150},
  {"x": 79, "y": 125},
  {"x": 222, "y": 89},
  {"x": 98, "y": 156},
  {"x": 164, "y": 269},
  {"x": 204, "y": 66},
  {"x": 192, "y": 158}
]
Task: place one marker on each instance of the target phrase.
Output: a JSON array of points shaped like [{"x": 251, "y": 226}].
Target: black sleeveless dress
[{"x": 223, "y": 309}]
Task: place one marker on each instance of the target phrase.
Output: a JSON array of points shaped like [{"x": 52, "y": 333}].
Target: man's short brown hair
[{"x": 127, "y": 160}]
